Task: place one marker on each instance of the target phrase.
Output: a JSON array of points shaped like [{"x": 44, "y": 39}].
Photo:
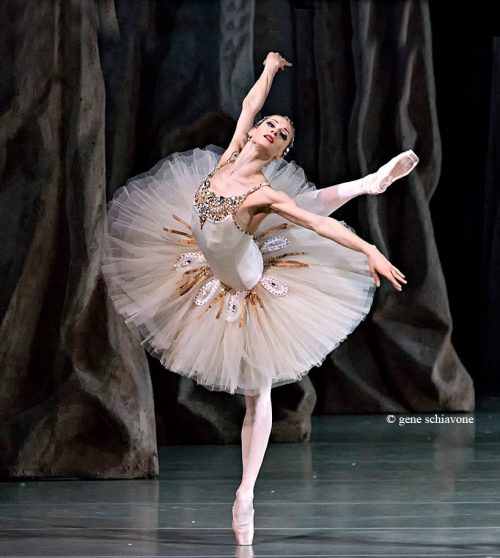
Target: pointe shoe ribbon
[
  {"x": 396, "y": 168},
  {"x": 243, "y": 533}
]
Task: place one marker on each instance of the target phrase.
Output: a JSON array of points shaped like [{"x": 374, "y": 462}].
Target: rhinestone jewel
[
  {"x": 213, "y": 207},
  {"x": 273, "y": 285},
  {"x": 274, "y": 243},
  {"x": 188, "y": 258},
  {"x": 234, "y": 305},
  {"x": 206, "y": 293}
]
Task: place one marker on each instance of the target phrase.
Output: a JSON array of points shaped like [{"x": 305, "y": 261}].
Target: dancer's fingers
[
  {"x": 397, "y": 286},
  {"x": 395, "y": 271},
  {"x": 400, "y": 272}
]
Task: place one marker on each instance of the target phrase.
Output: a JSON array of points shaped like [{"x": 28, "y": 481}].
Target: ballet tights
[
  {"x": 257, "y": 422},
  {"x": 255, "y": 433},
  {"x": 325, "y": 201},
  {"x": 337, "y": 195}
]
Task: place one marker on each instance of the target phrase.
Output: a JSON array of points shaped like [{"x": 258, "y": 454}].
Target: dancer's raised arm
[
  {"x": 257, "y": 95},
  {"x": 254, "y": 101}
]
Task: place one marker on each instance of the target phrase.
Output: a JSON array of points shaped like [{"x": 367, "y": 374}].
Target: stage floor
[{"x": 360, "y": 487}]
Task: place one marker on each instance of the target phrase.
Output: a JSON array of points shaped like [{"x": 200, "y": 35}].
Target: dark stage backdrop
[
  {"x": 466, "y": 204},
  {"x": 95, "y": 92}
]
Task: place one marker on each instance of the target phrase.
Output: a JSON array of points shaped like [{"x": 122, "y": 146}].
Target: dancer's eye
[{"x": 284, "y": 136}]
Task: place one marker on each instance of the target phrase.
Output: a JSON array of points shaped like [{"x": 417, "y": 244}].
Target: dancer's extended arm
[{"x": 328, "y": 227}]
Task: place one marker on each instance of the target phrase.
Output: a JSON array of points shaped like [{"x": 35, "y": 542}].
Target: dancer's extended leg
[
  {"x": 255, "y": 433},
  {"x": 327, "y": 200}
]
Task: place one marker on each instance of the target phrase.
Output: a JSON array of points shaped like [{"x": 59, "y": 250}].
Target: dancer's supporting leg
[{"x": 255, "y": 433}]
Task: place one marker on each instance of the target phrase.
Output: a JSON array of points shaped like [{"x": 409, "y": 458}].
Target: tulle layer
[{"x": 313, "y": 293}]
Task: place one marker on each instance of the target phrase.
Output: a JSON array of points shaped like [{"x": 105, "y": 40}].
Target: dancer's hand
[
  {"x": 380, "y": 264},
  {"x": 275, "y": 60}
]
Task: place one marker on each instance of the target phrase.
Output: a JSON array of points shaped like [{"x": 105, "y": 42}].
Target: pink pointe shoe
[
  {"x": 396, "y": 168},
  {"x": 243, "y": 533}
]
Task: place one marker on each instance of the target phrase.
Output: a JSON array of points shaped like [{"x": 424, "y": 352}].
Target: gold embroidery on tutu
[
  {"x": 275, "y": 228},
  {"x": 278, "y": 261},
  {"x": 190, "y": 237},
  {"x": 241, "y": 311},
  {"x": 214, "y": 291},
  {"x": 187, "y": 282}
]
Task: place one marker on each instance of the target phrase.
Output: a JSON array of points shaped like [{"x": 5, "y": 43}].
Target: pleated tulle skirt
[{"x": 312, "y": 295}]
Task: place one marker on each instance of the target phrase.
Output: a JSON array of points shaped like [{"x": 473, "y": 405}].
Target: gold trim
[
  {"x": 191, "y": 241},
  {"x": 214, "y": 300},
  {"x": 291, "y": 263},
  {"x": 181, "y": 220},
  {"x": 243, "y": 311},
  {"x": 221, "y": 307},
  {"x": 275, "y": 228},
  {"x": 177, "y": 231},
  {"x": 189, "y": 284},
  {"x": 280, "y": 261}
]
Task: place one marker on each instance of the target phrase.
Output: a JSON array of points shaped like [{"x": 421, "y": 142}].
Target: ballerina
[{"x": 228, "y": 268}]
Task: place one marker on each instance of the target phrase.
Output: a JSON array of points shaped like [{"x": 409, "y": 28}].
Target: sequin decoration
[
  {"x": 207, "y": 292},
  {"x": 234, "y": 305},
  {"x": 273, "y": 243},
  {"x": 273, "y": 285},
  {"x": 240, "y": 227},
  {"x": 188, "y": 259},
  {"x": 213, "y": 207},
  {"x": 188, "y": 262}
]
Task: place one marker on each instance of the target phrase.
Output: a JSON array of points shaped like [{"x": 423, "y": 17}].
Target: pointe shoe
[
  {"x": 243, "y": 533},
  {"x": 396, "y": 168}
]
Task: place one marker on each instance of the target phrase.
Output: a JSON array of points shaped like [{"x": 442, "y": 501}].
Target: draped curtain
[{"x": 95, "y": 92}]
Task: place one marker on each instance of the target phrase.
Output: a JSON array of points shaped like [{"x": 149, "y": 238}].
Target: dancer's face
[{"x": 274, "y": 134}]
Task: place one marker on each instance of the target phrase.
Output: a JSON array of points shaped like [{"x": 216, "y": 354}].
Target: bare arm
[
  {"x": 257, "y": 95},
  {"x": 253, "y": 102},
  {"x": 284, "y": 205},
  {"x": 327, "y": 227}
]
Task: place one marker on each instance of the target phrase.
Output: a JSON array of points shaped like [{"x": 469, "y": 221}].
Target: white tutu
[{"x": 277, "y": 336}]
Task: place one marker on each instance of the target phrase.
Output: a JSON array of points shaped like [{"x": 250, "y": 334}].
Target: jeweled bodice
[
  {"x": 214, "y": 207},
  {"x": 229, "y": 249}
]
